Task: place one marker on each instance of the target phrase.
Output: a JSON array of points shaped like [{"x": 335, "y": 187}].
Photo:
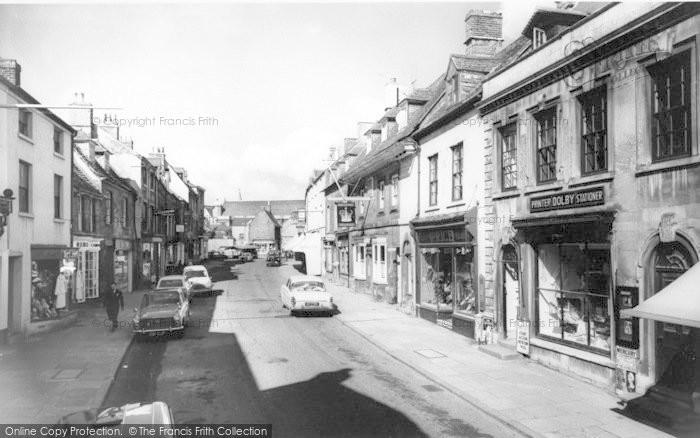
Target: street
[{"x": 245, "y": 360}]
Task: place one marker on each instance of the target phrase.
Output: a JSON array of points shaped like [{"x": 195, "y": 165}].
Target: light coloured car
[
  {"x": 156, "y": 412},
  {"x": 198, "y": 278},
  {"x": 162, "y": 312},
  {"x": 177, "y": 282},
  {"x": 305, "y": 293}
]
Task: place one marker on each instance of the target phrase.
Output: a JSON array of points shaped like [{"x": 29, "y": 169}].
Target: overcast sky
[{"x": 278, "y": 83}]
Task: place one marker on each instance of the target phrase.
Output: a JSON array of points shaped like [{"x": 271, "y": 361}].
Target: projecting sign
[
  {"x": 345, "y": 214},
  {"x": 573, "y": 199}
]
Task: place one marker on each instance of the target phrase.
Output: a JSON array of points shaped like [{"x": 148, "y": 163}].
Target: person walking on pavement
[{"x": 113, "y": 301}]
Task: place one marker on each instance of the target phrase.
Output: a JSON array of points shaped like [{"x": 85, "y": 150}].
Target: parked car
[
  {"x": 247, "y": 257},
  {"x": 231, "y": 253},
  {"x": 305, "y": 293},
  {"x": 274, "y": 258},
  {"x": 175, "y": 281},
  {"x": 157, "y": 412},
  {"x": 164, "y": 311},
  {"x": 198, "y": 279}
]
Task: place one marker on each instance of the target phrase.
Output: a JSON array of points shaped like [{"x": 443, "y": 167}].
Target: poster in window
[{"x": 345, "y": 214}]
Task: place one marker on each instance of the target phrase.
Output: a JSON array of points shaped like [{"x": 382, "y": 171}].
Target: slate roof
[
  {"x": 240, "y": 221},
  {"x": 472, "y": 63},
  {"x": 251, "y": 208},
  {"x": 28, "y": 98}
]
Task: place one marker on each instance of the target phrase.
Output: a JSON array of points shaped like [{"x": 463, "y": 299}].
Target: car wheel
[{"x": 292, "y": 313}]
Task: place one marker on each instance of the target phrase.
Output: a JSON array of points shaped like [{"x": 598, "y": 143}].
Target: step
[
  {"x": 500, "y": 352},
  {"x": 507, "y": 343}
]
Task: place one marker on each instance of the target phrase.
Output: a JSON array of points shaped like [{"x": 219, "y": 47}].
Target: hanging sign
[{"x": 345, "y": 214}]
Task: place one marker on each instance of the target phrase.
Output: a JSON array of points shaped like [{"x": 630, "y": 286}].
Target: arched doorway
[
  {"x": 675, "y": 345},
  {"x": 510, "y": 277}
]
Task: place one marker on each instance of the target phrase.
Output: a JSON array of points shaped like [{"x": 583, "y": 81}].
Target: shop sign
[
  {"x": 627, "y": 364},
  {"x": 574, "y": 199},
  {"x": 522, "y": 337},
  {"x": 345, "y": 214},
  {"x": 451, "y": 235}
]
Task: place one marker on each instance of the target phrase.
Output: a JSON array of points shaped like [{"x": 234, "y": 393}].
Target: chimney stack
[
  {"x": 484, "y": 32},
  {"x": 391, "y": 94},
  {"x": 10, "y": 70}
]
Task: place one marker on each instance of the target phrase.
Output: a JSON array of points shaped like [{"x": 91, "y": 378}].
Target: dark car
[
  {"x": 162, "y": 312},
  {"x": 274, "y": 258}
]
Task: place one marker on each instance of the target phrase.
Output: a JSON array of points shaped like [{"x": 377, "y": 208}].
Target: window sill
[
  {"x": 666, "y": 166},
  {"x": 584, "y": 355},
  {"x": 381, "y": 281},
  {"x": 457, "y": 204},
  {"x": 359, "y": 278},
  {"x": 57, "y": 155},
  {"x": 432, "y": 209},
  {"x": 25, "y": 215},
  {"x": 461, "y": 314},
  {"x": 394, "y": 209},
  {"x": 553, "y": 187},
  {"x": 25, "y": 138},
  {"x": 596, "y": 178},
  {"x": 60, "y": 220},
  {"x": 434, "y": 308},
  {"x": 505, "y": 195}
]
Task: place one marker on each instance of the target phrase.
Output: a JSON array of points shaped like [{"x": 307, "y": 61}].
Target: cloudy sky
[{"x": 247, "y": 96}]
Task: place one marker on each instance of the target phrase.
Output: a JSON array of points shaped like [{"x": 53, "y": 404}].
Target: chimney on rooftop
[
  {"x": 484, "y": 32},
  {"x": 10, "y": 70},
  {"x": 391, "y": 94}
]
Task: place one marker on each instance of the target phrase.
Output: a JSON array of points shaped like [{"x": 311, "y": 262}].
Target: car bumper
[
  {"x": 321, "y": 307},
  {"x": 200, "y": 288},
  {"x": 159, "y": 330}
]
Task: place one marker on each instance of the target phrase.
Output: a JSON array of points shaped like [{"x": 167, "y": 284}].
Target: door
[
  {"x": 676, "y": 345},
  {"x": 511, "y": 292}
]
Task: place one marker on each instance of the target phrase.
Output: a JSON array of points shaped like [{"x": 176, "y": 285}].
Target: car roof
[
  {"x": 167, "y": 289},
  {"x": 299, "y": 278},
  {"x": 172, "y": 277},
  {"x": 194, "y": 268}
]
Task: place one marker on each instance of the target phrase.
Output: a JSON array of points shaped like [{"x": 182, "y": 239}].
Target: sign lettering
[{"x": 575, "y": 199}]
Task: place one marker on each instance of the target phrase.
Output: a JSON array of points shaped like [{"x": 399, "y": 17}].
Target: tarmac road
[{"x": 245, "y": 360}]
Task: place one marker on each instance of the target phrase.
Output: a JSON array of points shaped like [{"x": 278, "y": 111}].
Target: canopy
[
  {"x": 291, "y": 243},
  {"x": 677, "y": 303}
]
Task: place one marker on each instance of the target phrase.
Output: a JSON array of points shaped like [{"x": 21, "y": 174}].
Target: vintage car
[
  {"x": 134, "y": 413},
  {"x": 164, "y": 311},
  {"x": 274, "y": 258},
  {"x": 175, "y": 281},
  {"x": 198, "y": 279},
  {"x": 306, "y": 294}
]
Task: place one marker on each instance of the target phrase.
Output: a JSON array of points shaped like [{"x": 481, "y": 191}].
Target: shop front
[
  {"x": 343, "y": 246},
  {"x": 51, "y": 289},
  {"x": 87, "y": 275},
  {"x": 151, "y": 266},
  {"x": 122, "y": 265},
  {"x": 446, "y": 263}
]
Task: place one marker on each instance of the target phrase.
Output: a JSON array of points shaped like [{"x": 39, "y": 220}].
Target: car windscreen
[
  {"x": 160, "y": 299},
  {"x": 191, "y": 274},
  {"x": 309, "y": 286},
  {"x": 170, "y": 283}
]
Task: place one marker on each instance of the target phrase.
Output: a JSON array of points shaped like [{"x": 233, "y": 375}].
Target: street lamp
[{"x": 5, "y": 208}]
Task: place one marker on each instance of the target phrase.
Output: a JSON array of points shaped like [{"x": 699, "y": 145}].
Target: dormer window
[{"x": 539, "y": 37}]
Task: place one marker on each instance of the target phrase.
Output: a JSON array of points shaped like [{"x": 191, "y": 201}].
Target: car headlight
[
  {"x": 293, "y": 301},
  {"x": 330, "y": 300}
]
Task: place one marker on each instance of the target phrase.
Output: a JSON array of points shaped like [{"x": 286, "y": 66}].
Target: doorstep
[{"x": 500, "y": 352}]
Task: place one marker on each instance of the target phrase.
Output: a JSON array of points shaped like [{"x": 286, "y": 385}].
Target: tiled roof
[
  {"x": 566, "y": 17},
  {"x": 471, "y": 63},
  {"x": 251, "y": 208},
  {"x": 508, "y": 55},
  {"x": 240, "y": 221}
]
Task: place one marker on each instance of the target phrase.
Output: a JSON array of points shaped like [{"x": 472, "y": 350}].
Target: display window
[
  {"x": 465, "y": 293},
  {"x": 447, "y": 279},
  {"x": 573, "y": 294}
]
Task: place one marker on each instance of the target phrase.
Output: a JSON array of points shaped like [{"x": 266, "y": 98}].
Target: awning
[
  {"x": 291, "y": 243},
  {"x": 677, "y": 303}
]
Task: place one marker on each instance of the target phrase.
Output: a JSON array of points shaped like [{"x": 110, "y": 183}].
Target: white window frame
[
  {"x": 539, "y": 37},
  {"x": 395, "y": 190},
  {"x": 29, "y": 124},
  {"x": 359, "y": 255},
  {"x": 381, "y": 195},
  {"x": 379, "y": 261}
]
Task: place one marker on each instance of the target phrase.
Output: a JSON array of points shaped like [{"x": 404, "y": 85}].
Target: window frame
[
  {"x": 433, "y": 180},
  {"x": 25, "y": 125},
  {"x": 382, "y": 199},
  {"x": 27, "y": 192},
  {"x": 666, "y": 68},
  {"x": 598, "y": 95},
  {"x": 539, "y": 37},
  {"x": 379, "y": 261},
  {"x": 507, "y": 131},
  {"x": 541, "y": 118},
  {"x": 458, "y": 170},
  {"x": 58, "y": 141},
  {"x": 57, "y": 196},
  {"x": 359, "y": 261},
  {"x": 109, "y": 208},
  {"x": 395, "y": 190},
  {"x": 125, "y": 212}
]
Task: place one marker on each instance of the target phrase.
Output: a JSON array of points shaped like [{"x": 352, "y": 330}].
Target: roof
[
  {"x": 209, "y": 209},
  {"x": 81, "y": 180},
  {"x": 240, "y": 221},
  {"x": 28, "y": 98},
  {"x": 86, "y": 177},
  {"x": 473, "y": 63},
  {"x": 299, "y": 278},
  {"x": 251, "y": 208},
  {"x": 544, "y": 17},
  {"x": 272, "y": 218}
]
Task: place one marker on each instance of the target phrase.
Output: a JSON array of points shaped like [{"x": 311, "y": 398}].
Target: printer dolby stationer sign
[{"x": 572, "y": 199}]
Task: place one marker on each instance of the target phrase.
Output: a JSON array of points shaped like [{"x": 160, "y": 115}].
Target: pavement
[
  {"x": 533, "y": 399},
  {"x": 52, "y": 374}
]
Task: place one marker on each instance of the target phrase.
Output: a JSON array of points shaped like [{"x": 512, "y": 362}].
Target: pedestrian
[{"x": 113, "y": 301}]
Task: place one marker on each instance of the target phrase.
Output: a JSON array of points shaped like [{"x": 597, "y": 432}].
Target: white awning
[{"x": 677, "y": 303}]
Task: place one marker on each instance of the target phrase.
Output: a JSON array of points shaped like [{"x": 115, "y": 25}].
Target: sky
[{"x": 248, "y": 97}]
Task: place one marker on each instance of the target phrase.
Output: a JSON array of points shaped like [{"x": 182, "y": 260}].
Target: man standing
[{"x": 113, "y": 301}]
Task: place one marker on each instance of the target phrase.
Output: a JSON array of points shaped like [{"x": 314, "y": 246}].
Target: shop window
[
  {"x": 57, "y": 196},
  {"x": 671, "y": 107},
  {"x": 25, "y": 122},
  {"x": 379, "y": 270},
  {"x": 433, "y": 179},
  {"x": 573, "y": 294},
  {"x": 464, "y": 288},
  {"x": 359, "y": 266},
  {"x": 546, "y": 145},
  {"x": 509, "y": 155},
  {"x": 25, "y": 186},
  {"x": 457, "y": 169},
  {"x": 594, "y": 146},
  {"x": 446, "y": 279}
]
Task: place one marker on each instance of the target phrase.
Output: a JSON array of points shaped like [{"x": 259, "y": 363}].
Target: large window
[
  {"x": 671, "y": 112},
  {"x": 57, "y": 196},
  {"x": 379, "y": 268},
  {"x": 546, "y": 145},
  {"x": 25, "y": 122},
  {"x": 109, "y": 208},
  {"x": 395, "y": 191},
  {"x": 381, "y": 195},
  {"x": 509, "y": 156},
  {"x": 457, "y": 168},
  {"x": 573, "y": 294},
  {"x": 594, "y": 144},
  {"x": 433, "y": 179},
  {"x": 25, "y": 187},
  {"x": 359, "y": 261},
  {"x": 87, "y": 214},
  {"x": 57, "y": 141}
]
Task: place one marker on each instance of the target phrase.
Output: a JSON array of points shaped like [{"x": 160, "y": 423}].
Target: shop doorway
[
  {"x": 676, "y": 346},
  {"x": 511, "y": 291}
]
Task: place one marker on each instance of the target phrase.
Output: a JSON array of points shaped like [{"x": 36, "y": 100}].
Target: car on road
[
  {"x": 175, "y": 281},
  {"x": 247, "y": 256},
  {"x": 164, "y": 311},
  {"x": 274, "y": 258},
  {"x": 231, "y": 253},
  {"x": 305, "y": 293},
  {"x": 198, "y": 278},
  {"x": 156, "y": 412}
]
